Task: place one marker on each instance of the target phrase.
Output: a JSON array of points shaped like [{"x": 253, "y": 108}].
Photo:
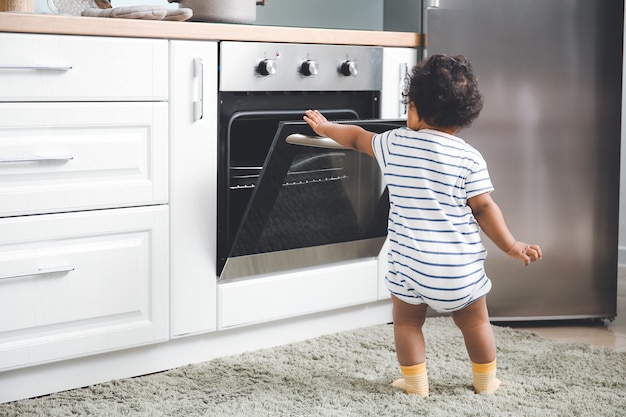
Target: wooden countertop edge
[{"x": 133, "y": 28}]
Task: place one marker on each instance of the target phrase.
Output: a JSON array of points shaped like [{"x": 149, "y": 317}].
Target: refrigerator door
[{"x": 550, "y": 73}]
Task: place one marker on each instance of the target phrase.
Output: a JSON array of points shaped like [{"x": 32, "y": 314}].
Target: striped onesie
[{"x": 436, "y": 255}]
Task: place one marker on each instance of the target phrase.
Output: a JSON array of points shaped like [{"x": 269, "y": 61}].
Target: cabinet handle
[
  {"x": 404, "y": 81},
  {"x": 36, "y": 68},
  {"x": 59, "y": 158},
  {"x": 198, "y": 105},
  {"x": 42, "y": 271}
]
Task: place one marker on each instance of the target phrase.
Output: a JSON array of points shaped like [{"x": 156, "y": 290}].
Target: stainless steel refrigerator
[{"x": 550, "y": 72}]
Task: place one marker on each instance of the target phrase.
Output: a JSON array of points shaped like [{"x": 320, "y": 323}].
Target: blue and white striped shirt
[{"x": 436, "y": 254}]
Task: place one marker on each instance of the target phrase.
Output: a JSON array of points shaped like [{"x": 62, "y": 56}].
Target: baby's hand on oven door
[{"x": 317, "y": 121}]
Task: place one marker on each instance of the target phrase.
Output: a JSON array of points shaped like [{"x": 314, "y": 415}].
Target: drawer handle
[
  {"x": 36, "y": 68},
  {"x": 42, "y": 271},
  {"x": 198, "y": 72},
  {"x": 57, "y": 158}
]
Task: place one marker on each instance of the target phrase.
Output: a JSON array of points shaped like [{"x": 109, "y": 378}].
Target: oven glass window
[
  {"x": 308, "y": 196},
  {"x": 251, "y": 137}
]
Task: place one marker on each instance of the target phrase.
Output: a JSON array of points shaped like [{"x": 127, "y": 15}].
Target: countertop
[{"x": 98, "y": 26}]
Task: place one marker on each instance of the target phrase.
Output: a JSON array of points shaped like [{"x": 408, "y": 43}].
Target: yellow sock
[
  {"x": 414, "y": 381},
  {"x": 485, "y": 380}
]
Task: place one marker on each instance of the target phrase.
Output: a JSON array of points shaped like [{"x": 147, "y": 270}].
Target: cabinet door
[
  {"x": 37, "y": 67},
  {"x": 75, "y": 284},
  {"x": 68, "y": 156},
  {"x": 193, "y": 191}
]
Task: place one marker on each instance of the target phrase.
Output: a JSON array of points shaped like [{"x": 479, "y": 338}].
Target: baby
[{"x": 439, "y": 191}]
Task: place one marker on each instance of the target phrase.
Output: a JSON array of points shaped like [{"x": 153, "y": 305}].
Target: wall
[
  {"x": 402, "y": 15},
  {"x": 344, "y": 14},
  {"x": 392, "y": 15}
]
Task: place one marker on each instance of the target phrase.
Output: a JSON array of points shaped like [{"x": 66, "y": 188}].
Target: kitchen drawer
[
  {"x": 75, "y": 156},
  {"x": 75, "y": 284},
  {"x": 291, "y": 294},
  {"x": 37, "y": 67}
]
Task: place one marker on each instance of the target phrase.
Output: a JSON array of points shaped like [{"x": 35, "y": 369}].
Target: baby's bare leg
[
  {"x": 408, "y": 320},
  {"x": 473, "y": 321},
  {"x": 480, "y": 342}
]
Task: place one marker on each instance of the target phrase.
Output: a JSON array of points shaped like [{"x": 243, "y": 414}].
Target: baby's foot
[
  {"x": 491, "y": 388},
  {"x": 400, "y": 383}
]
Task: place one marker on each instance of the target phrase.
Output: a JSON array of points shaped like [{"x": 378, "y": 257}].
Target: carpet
[{"x": 348, "y": 374}]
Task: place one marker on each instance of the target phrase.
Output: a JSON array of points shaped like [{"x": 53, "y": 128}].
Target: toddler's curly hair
[{"x": 444, "y": 90}]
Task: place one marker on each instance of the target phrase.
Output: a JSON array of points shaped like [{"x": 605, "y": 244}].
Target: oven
[{"x": 286, "y": 199}]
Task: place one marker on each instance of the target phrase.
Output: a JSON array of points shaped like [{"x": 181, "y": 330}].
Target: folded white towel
[
  {"x": 140, "y": 12},
  {"x": 178, "y": 14}
]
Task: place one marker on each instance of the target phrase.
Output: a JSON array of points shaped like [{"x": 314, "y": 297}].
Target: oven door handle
[{"x": 313, "y": 141}]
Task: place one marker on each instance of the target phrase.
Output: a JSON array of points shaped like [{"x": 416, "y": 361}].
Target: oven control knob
[
  {"x": 309, "y": 68},
  {"x": 267, "y": 67},
  {"x": 349, "y": 68}
]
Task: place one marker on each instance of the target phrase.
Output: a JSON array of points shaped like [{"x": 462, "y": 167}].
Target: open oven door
[{"x": 314, "y": 203}]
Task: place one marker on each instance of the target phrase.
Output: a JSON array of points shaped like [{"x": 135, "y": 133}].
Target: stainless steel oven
[{"x": 287, "y": 200}]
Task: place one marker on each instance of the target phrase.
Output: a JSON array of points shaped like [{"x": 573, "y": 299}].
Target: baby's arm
[
  {"x": 491, "y": 221},
  {"x": 349, "y": 136}
]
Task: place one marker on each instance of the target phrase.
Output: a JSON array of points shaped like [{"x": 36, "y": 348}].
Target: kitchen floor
[{"x": 606, "y": 333}]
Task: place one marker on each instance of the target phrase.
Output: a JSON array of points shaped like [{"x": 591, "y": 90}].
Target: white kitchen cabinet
[
  {"x": 383, "y": 292},
  {"x": 84, "y": 188},
  {"x": 37, "y": 67},
  {"x": 73, "y": 284},
  {"x": 58, "y": 157},
  {"x": 193, "y": 190}
]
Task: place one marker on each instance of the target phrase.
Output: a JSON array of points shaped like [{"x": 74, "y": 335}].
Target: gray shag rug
[{"x": 348, "y": 374}]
